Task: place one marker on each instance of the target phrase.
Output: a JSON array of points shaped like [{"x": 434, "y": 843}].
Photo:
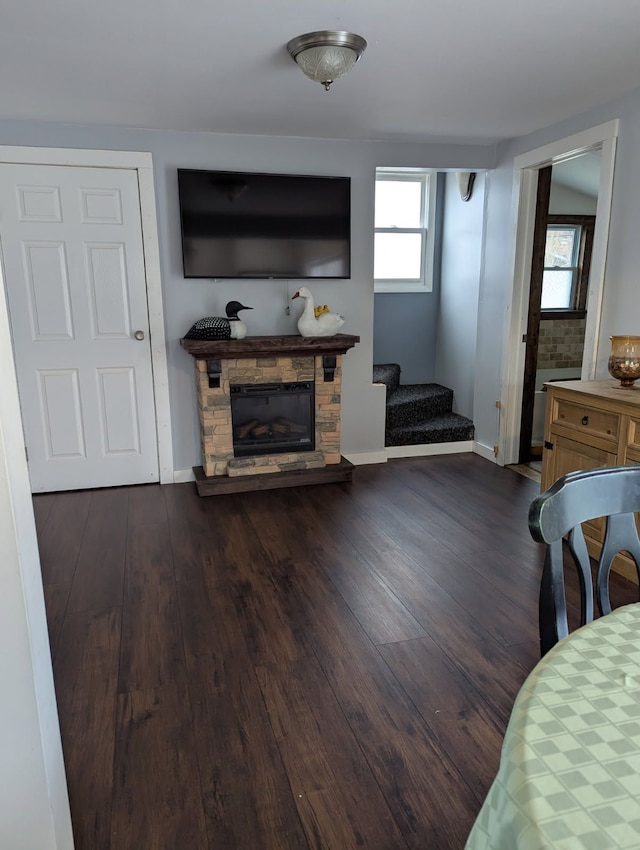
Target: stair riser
[
  {"x": 388, "y": 374},
  {"x": 415, "y": 437},
  {"x": 415, "y": 412}
]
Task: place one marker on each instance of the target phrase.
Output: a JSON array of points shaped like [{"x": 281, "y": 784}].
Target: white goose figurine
[{"x": 326, "y": 324}]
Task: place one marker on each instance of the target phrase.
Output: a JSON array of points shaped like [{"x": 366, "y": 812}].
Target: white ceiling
[
  {"x": 454, "y": 70},
  {"x": 582, "y": 173}
]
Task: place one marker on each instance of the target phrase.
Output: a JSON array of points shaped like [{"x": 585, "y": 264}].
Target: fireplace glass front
[{"x": 272, "y": 418}]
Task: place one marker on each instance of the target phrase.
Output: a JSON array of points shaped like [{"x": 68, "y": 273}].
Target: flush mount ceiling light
[{"x": 326, "y": 56}]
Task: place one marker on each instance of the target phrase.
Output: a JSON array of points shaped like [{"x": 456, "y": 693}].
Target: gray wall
[
  {"x": 404, "y": 332},
  {"x": 187, "y": 300},
  {"x": 621, "y": 299},
  {"x": 455, "y": 351},
  {"x": 363, "y": 412}
]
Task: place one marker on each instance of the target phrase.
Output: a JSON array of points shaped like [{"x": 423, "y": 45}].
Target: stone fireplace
[{"x": 269, "y": 411}]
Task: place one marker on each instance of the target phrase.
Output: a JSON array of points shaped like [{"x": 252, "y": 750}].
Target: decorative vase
[{"x": 624, "y": 360}]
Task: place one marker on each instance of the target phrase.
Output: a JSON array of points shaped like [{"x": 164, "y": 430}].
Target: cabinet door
[
  {"x": 633, "y": 438},
  {"x": 569, "y": 456}
]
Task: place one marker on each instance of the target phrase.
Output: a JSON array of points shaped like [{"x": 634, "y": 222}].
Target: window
[
  {"x": 404, "y": 217},
  {"x": 567, "y": 259}
]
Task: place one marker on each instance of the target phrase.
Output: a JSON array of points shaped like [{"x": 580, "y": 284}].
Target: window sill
[
  {"x": 562, "y": 314},
  {"x": 399, "y": 288}
]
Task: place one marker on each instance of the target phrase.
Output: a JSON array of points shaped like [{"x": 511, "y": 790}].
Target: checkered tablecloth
[{"x": 569, "y": 775}]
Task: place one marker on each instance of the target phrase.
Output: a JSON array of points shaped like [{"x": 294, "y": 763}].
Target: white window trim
[
  {"x": 574, "y": 268},
  {"x": 429, "y": 217}
]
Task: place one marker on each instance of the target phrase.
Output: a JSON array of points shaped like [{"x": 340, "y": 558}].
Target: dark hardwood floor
[{"x": 320, "y": 667}]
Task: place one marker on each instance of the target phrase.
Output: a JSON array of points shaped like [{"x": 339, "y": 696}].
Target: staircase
[{"x": 419, "y": 413}]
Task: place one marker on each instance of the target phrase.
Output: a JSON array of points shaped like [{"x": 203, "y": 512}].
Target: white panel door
[{"x": 74, "y": 271}]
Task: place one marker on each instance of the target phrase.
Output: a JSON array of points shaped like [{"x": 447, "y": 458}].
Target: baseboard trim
[
  {"x": 363, "y": 458},
  {"x": 430, "y": 449},
  {"x": 485, "y": 451},
  {"x": 183, "y": 476}
]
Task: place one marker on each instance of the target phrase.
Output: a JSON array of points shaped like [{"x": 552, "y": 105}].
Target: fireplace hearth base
[{"x": 220, "y": 485}]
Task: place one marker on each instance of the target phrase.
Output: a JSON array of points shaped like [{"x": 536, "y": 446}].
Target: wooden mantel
[{"x": 264, "y": 346}]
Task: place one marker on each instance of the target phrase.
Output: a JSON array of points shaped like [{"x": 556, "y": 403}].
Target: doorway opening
[
  {"x": 423, "y": 341},
  {"x": 566, "y": 206},
  {"x": 527, "y": 168}
]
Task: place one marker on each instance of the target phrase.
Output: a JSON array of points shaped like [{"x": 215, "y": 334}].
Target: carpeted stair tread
[
  {"x": 419, "y": 414},
  {"x": 388, "y": 374},
  {"x": 411, "y": 404},
  {"x": 443, "y": 428}
]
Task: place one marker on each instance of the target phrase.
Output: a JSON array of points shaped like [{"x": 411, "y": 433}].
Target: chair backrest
[{"x": 612, "y": 493}]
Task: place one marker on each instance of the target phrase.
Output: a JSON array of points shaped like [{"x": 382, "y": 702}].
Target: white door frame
[
  {"x": 34, "y": 810},
  {"x": 526, "y": 167},
  {"x": 142, "y": 163}
]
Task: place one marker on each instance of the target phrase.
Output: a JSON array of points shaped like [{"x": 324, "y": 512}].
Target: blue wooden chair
[{"x": 612, "y": 493}]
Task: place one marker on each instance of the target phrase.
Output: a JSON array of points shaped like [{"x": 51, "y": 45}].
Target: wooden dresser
[{"x": 590, "y": 424}]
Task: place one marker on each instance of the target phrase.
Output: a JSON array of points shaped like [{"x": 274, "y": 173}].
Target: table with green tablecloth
[{"x": 569, "y": 775}]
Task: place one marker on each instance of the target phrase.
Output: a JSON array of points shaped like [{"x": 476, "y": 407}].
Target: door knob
[{"x": 139, "y": 335}]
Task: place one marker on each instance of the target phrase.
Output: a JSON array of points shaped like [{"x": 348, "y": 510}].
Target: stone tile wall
[
  {"x": 215, "y": 414},
  {"x": 561, "y": 343}
]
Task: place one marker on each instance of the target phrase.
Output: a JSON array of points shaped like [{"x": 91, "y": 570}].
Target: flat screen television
[{"x": 264, "y": 226}]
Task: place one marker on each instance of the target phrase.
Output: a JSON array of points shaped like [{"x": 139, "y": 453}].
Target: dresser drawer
[{"x": 586, "y": 420}]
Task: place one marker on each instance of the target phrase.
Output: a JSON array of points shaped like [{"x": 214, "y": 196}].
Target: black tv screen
[{"x": 266, "y": 226}]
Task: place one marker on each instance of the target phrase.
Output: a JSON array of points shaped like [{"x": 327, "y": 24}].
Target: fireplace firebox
[{"x": 272, "y": 418}]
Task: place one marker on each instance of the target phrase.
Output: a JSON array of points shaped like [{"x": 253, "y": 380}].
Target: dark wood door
[{"x": 533, "y": 321}]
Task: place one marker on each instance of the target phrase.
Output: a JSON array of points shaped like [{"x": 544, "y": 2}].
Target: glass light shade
[
  {"x": 624, "y": 360},
  {"x": 326, "y": 64},
  {"x": 326, "y": 55}
]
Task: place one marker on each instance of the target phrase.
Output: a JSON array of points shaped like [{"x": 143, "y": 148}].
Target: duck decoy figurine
[
  {"x": 217, "y": 327},
  {"x": 326, "y": 324}
]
